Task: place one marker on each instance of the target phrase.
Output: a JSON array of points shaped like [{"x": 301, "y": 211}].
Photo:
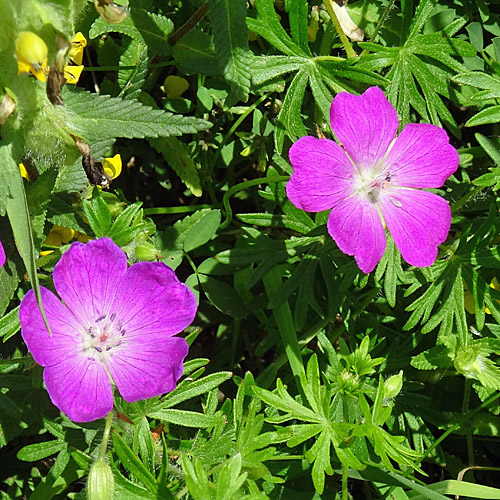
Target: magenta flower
[
  {"x": 373, "y": 180},
  {"x": 2, "y": 255},
  {"x": 113, "y": 323}
]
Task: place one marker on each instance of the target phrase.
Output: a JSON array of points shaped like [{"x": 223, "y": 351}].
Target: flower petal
[
  {"x": 2, "y": 255},
  {"x": 77, "y": 385},
  {"x": 322, "y": 174},
  {"x": 418, "y": 221},
  {"x": 422, "y": 156},
  {"x": 48, "y": 350},
  {"x": 356, "y": 227},
  {"x": 365, "y": 125},
  {"x": 151, "y": 301},
  {"x": 80, "y": 388},
  {"x": 150, "y": 368},
  {"x": 88, "y": 276}
]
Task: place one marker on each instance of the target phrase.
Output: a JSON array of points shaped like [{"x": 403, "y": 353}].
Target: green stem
[
  {"x": 344, "y": 482},
  {"x": 379, "y": 24},
  {"x": 175, "y": 210},
  {"x": 284, "y": 320},
  {"x": 468, "y": 430},
  {"x": 466, "y": 198},
  {"x": 105, "y": 436},
  {"x": 245, "y": 185},
  {"x": 340, "y": 32}
]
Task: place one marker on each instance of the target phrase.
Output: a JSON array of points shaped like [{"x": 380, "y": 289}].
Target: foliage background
[{"x": 306, "y": 378}]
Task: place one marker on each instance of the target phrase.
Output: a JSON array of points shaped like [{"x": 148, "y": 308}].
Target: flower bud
[
  {"x": 100, "y": 483},
  {"x": 393, "y": 385},
  {"x": 146, "y": 251}
]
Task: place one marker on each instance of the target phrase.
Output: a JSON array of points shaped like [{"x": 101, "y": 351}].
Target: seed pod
[{"x": 100, "y": 483}]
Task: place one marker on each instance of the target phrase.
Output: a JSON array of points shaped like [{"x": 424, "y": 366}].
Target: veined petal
[
  {"x": 80, "y": 388},
  {"x": 151, "y": 301},
  {"x": 87, "y": 277},
  {"x": 48, "y": 350},
  {"x": 2, "y": 255},
  {"x": 148, "y": 369},
  {"x": 365, "y": 125},
  {"x": 322, "y": 174},
  {"x": 422, "y": 156},
  {"x": 356, "y": 227},
  {"x": 77, "y": 384},
  {"x": 418, "y": 221}
]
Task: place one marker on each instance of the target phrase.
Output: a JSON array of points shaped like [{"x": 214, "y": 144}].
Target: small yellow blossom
[
  {"x": 72, "y": 73},
  {"x": 24, "y": 172},
  {"x": 112, "y": 166},
  {"x": 59, "y": 235},
  {"x": 78, "y": 43},
  {"x": 175, "y": 86},
  {"x": 31, "y": 52}
]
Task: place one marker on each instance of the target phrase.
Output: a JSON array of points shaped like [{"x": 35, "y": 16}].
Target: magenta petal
[
  {"x": 365, "y": 125},
  {"x": 322, "y": 174},
  {"x": 151, "y": 300},
  {"x": 80, "y": 388},
  {"x": 88, "y": 275},
  {"x": 77, "y": 385},
  {"x": 2, "y": 255},
  {"x": 418, "y": 221},
  {"x": 48, "y": 350},
  {"x": 356, "y": 227},
  {"x": 149, "y": 368},
  {"x": 422, "y": 156}
]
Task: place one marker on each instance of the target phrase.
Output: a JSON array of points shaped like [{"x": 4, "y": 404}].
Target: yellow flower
[
  {"x": 24, "y": 172},
  {"x": 59, "y": 235},
  {"x": 175, "y": 86},
  {"x": 78, "y": 43},
  {"x": 112, "y": 166},
  {"x": 31, "y": 52},
  {"x": 72, "y": 73}
]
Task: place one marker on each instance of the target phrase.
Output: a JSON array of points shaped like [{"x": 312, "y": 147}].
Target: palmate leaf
[
  {"x": 231, "y": 43},
  {"x": 97, "y": 118},
  {"x": 425, "y": 60},
  {"x": 325, "y": 78}
]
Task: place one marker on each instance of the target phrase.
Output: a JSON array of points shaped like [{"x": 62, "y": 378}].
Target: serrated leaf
[
  {"x": 132, "y": 80},
  {"x": 97, "y": 118},
  {"x": 231, "y": 43},
  {"x": 195, "y": 53},
  {"x": 146, "y": 27},
  {"x": 38, "y": 451}
]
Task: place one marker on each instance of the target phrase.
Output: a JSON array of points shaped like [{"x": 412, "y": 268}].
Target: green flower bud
[
  {"x": 146, "y": 251},
  {"x": 393, "y": 385},
  {"x": 100, "y": 483}
]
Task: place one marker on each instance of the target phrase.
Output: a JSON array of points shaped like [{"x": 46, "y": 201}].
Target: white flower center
[
  {"x": 370, "y": 183},
  {"x": 103, "y": 337}
]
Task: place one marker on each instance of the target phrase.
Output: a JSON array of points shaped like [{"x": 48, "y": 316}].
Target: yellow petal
[
  {"x": 78, "y": 43},
  {"x": 495, "y": 284},
  {"x": 112, "y": 166},
  {"x": 82, "y": 238},
  {"x": 59, "y": 235},
  {"x": 24, "y": 172},
  {"x": 175, "y": 86},
  {"x": 72, "y": 73},
  {"x": 468, "y": 302}
]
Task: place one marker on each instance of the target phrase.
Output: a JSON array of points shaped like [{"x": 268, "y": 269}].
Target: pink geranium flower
[
  {"x": 114, "y": 324},
  {"x": 2, "y": 255},
  {"x": 373, "y": 180}
]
